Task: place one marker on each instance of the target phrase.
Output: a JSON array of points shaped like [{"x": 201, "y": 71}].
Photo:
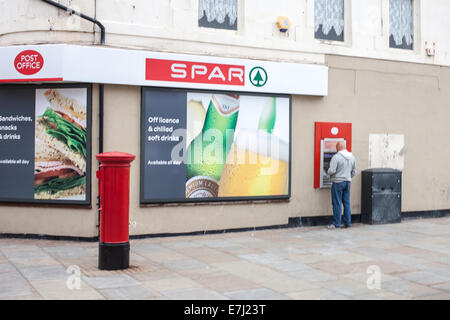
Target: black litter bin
[{"x": 381, "y": 196}]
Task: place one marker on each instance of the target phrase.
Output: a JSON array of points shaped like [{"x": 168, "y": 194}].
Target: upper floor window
[
  {"x": 401, "y": 24},
  {"x": 220, "y": 14},
  {"x": 329, "y": 19}
]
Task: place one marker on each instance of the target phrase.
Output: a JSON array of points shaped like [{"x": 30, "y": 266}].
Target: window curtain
[
  {"x": 329, "y": 14},
  {"x": 218, "y": 10},
  {"x": 401, "y": 22}
]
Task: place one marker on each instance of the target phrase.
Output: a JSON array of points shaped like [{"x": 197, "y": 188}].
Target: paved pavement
[{"x": 410, "y": 260}]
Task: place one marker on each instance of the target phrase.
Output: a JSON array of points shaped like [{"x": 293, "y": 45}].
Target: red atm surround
[{"x": 331, "y": 130}]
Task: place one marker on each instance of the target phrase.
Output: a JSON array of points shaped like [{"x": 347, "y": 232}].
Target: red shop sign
[
  {"x": 29, "y": 62},
  {"x": 194, "y": 72}
]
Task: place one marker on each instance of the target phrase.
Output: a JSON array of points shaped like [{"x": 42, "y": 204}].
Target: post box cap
[{"x": 115, "y": 157}]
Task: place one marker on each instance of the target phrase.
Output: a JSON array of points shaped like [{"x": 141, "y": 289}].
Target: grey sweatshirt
[{"x": 342, "y": 166}]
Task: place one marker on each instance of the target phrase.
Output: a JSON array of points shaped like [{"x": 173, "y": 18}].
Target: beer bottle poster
[
  {"x": 214, "y": 146},
  {"x": 45, "y": 144}
]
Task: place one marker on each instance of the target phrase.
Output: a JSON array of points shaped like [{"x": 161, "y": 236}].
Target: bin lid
[
  {"x": 382, "y": 170},
  {"x": 115, "y": 157}
]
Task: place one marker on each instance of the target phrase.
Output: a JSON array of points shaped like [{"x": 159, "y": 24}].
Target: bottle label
[
  {"x": 202, "y": 187},
  {"x": 226, "y": 105}
]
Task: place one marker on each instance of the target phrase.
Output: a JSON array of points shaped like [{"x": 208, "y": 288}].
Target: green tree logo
[{"x": 258, "y": 77}]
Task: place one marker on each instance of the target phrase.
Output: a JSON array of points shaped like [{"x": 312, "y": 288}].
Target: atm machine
[
  {"x": 327, "y": 134},
  {"x": 327, "y": 151}
]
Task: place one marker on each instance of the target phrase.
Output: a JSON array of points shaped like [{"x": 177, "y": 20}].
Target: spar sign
[
  {"x": 29, "y": 62},
  {"x": 201, "y": 72},
  {"x": 194, "y": 72}
]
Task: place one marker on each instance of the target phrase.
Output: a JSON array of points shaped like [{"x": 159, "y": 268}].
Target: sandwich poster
[
  {"x": 45, "y": 144},
  {"x": 214, "y": 146}
]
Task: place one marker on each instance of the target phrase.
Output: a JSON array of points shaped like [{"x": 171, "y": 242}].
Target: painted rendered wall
[
  {"x": 387, "y": 151},
  {"x": 382, "y": 97}
]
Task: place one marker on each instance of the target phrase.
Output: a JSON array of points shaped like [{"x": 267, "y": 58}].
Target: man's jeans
[{"x": 340, "y": 194}]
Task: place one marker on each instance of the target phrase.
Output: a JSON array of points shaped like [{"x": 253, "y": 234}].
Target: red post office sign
[
  {"x": 29, "y": 62},
  {"x": 194, "y": 72}
]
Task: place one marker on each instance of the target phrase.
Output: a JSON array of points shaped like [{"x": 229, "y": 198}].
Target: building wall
[{"x": 173, "y": 26}]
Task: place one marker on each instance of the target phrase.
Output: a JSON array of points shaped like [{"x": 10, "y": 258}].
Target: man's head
[{"x": 340, "y": 146}]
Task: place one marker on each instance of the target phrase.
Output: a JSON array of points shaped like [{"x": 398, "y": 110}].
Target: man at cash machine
[{"x": 342, "y": 170}]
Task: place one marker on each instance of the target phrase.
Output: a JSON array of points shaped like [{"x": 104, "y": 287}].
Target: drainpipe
[{"x": 100, "y": 86}]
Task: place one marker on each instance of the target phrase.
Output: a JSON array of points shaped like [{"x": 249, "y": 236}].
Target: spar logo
[
  {"x": 194, "y": 72},
  {"x": 258, "y": 76},
  {"x": 29, "y": 62}
]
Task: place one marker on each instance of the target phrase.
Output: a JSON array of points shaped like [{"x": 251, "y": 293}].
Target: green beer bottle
[
  {"x": 207, "y": 153},
  {"x": 268, "y": 116}
]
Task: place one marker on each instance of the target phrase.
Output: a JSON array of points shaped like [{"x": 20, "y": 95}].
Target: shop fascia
[{"x": 91, "y": 64}]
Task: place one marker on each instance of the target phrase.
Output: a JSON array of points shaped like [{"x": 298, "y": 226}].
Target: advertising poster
[
  {"x": 208, "y": 146},
  {"x": 45, "y": 144}
]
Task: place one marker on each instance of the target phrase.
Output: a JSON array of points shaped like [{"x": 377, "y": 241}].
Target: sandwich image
[{"x": 60, "y": 149}]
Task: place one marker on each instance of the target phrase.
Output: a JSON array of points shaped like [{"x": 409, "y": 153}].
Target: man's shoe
[
  {"x": 331, "y": 226},
  {"x": 345, "y": 227}
]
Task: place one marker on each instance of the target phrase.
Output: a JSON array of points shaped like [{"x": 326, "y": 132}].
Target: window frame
[
  {"x": 347, "y": 42},
  {"x": 416, "y": 45},
  {"x": 413, "y": 44},
  {"x": 238, "y": 19}
]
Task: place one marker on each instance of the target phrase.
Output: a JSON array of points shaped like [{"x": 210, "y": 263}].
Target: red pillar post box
[{"x": 114, "y": 192}]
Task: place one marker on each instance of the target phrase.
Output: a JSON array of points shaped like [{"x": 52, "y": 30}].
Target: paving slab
[
  {"x": 6, "y": 267},
  {"x": 410, "y": 289},
  {"x": 439, "y": 296},
  {"x": 112, "y": 281},
  {"x": 194, "y": 294},
  {"x": 381, "y": 295},
  {"x": 317, "y": 294},
  {"x": 442, "y": 286},
  {"x": 13, "y": 285},
  {"x": 156, "y": 274},
  {"x": 274, "y": 261},
  {"x": 285, "y": 284},
  {"x": 60, "y": 290},
  {"x": 313, "y": 275},
  {"x": 256, "y": 294},
  {"x": 45, "y": 272},
  {"x": 130, "y": 293},
  {"x": 67, "y": 252},
  {"x": 175, "y": 282},
  {"x": 217, "y": 258},
  {"x": 386, "y": 267},
  {"x": 424, "y": 277},
  {"x": 224, "y": 282},
  {"x": 184, "y": 264},
  {"x": 347, "y": 287}
]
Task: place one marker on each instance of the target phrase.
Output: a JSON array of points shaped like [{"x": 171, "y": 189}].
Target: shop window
[
  {"x": 219, "y": 14},
  {"x": 329, "y": 20},
  {"x": 401, "y": 24}
]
